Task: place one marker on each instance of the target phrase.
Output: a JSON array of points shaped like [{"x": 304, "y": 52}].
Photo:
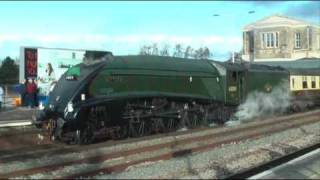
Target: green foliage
[{"x": 9, "y": 72}]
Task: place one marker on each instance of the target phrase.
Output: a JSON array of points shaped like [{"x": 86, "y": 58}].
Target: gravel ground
[{"x": 225, "y": 159}]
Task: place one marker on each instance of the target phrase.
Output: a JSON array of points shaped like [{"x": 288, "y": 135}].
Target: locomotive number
[{"x": 232, "y": 88}]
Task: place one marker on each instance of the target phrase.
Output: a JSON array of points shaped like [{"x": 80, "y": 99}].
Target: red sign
[{"x": 31, "y": 62}]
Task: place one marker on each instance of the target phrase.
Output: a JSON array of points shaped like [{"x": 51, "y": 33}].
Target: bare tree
[
  {"x": 149, "y": 50},
  {"x": 155, "y": 49},
  {"x": 235, "y": 56},
  {"x": 195, "y": 54},
  {"x": 177, "y": 51},
  {"x": 206, "y": 53},
  {"x": 188, "y": 52},
  {"x": 198, "y": 54},
  {"x": 143, "y": 50},
  {"x": 202, "y": 53},
  {"x": 165, "y": 50}
]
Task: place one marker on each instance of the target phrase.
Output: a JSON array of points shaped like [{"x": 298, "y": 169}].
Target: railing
[{"x": 9, "y": 96}]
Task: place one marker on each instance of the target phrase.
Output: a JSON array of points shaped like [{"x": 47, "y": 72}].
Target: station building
[{"x": 280, "y": 38}]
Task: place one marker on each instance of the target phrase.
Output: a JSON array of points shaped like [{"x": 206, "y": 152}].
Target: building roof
[
  {"x": 300, "y": 63},
  {"x": 300, "y": 71},
  {"x": 277, "y": 21},
  {"x": 301, "y": 66}
]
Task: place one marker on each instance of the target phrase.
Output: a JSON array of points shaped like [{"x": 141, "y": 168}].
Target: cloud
[{"x": 306, "y": 10}]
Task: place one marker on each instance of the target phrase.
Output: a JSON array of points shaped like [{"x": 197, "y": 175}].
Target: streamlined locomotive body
[{"x": 140, "y": 95}]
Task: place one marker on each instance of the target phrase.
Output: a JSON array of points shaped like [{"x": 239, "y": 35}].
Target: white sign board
[
  {"x": 52, "y": 64},
  {"x": 47, "y": 65}
]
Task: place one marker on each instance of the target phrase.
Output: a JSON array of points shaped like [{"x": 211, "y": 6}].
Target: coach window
[
  {"x": 304, "y": 82},
  {"x": 292, "y": 82},
  {"x": 313, "y": 82}
]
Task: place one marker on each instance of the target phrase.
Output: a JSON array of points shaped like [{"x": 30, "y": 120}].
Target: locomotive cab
[{"x": 235, "y": 86}]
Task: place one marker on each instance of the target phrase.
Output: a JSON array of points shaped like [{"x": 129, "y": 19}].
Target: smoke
[{"x": 260, "y": 104}]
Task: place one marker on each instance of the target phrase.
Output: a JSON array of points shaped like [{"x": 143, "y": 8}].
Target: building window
[
  {"x": 313, "y": 82},
  {"x": 263, "y": 40},
  {"x": 309, "y": 32},
  {"x": 270, "y": 39},
  {"x": 304, "y": 82},
  {"x": 298, "y": 40},
  {"x": 73, "y": 55},
  {"x": 277, "y": 39},
  {"x": 251, "y": 41}
]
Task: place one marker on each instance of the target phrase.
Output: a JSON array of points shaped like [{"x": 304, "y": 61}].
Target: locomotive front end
[{"x": 66, "y": 98}]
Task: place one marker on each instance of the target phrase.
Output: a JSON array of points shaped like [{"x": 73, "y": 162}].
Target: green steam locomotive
[{"x": 134, "y": 96}]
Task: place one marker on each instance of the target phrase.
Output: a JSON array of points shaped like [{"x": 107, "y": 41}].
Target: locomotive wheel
[
  {"x": 51, "y": 126},
  {"x": 85, "y": 135},
  {"x": 157, "y": 125},
  {"x": 139, "y": 129},
  {"x": 204, "y": 118},
  {"x": 194, "y": 121},
  {"x": 123, "y": 132},
  {"x": 170, "y": 125}
]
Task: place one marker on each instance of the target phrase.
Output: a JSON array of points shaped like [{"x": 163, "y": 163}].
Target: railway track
[{"x": 62, "y": 161}]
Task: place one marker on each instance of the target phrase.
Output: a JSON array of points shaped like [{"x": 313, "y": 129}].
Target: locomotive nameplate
[
  {"x": 232, "y": 88},
  {"x": 114, "y": 79},
  {"x": 106, "y": 90}
]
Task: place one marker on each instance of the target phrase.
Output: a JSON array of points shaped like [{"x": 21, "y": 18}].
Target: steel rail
[{"x": 287, "y": 123}]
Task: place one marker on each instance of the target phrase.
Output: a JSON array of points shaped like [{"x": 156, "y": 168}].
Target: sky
[{"x": 123, "y": 27}]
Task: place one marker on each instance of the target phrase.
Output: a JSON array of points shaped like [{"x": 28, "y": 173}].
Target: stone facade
[{"x": 280, "y": 38}]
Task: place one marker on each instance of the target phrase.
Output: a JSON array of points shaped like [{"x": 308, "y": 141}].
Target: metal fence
[{"x": 10, "y": 95}]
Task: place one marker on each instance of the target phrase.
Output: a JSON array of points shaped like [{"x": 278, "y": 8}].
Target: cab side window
[{"x": 234, "y": 76}]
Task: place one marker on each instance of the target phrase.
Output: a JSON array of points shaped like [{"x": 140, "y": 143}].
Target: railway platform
[
  {"x": 16, "y": 116},
  {"x": 303, "y": 167}
]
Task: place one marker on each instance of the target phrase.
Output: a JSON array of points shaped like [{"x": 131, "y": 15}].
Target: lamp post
[{"x": 233, "y": 19}]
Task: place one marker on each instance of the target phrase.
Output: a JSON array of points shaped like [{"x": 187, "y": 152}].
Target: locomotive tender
[{"x": 140, "y": 95}]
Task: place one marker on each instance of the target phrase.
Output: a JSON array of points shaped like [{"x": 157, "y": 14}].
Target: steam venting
[
  {"x": 93, "y": 57},
  {"x": 259, "y": 104}
]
